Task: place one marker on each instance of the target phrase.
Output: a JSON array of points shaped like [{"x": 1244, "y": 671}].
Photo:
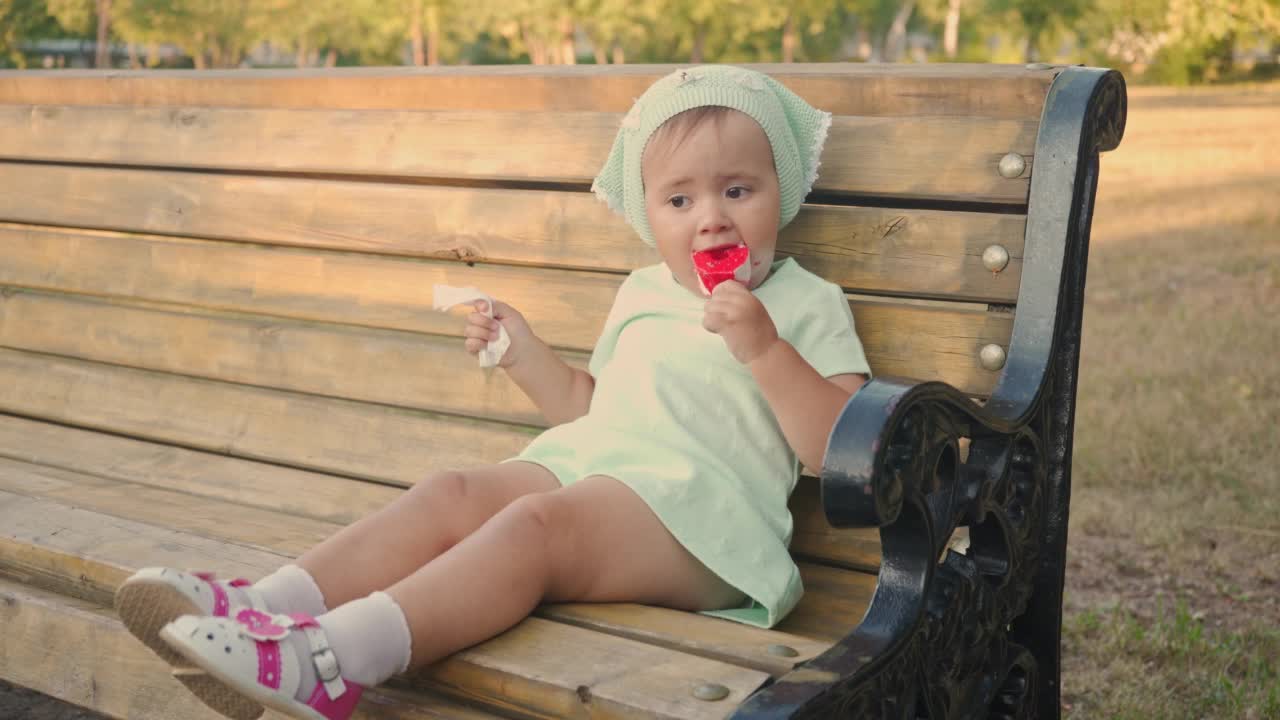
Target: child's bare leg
[
  {"x": 593, "y": 541},
  {"x": 432, "y": 516}
]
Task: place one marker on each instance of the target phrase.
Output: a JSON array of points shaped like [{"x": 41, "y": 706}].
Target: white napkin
[{"x": 447, "y": 296}]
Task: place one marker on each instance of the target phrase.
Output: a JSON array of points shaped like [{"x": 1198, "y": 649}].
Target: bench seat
[{"x": 78, "y": 525}]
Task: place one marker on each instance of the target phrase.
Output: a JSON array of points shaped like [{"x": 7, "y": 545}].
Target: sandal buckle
[{"x": 326, "y": 664}]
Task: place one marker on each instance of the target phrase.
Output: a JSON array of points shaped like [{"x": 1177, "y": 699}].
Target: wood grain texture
[
  {"x": 252, "y": 485},
  {"x": 914, "y": 157},
  {"x": 114, "y": 511},
  {"x": 1006, "y": 91},
  {"x": 362, "y": 440},
  {"x": 386, "y": 366},
  {"x": 915, "y": 253},
  {"x": 813, "y": 536},
  {"x": 319, "y": 495},
  {"x": 118, "y": 676},
  {"x": 537, "y": 666},
  {"x": 287, "y": 536}
]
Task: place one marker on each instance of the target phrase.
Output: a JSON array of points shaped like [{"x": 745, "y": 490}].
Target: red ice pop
[{"x": 726, "y": 263}]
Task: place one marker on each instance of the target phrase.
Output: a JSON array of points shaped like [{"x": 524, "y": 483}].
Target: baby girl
[{"x": 663, "y": 479}]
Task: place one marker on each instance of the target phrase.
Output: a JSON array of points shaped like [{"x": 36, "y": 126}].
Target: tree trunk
[
  {"x": 433, "y": 35},
  {"x": 864, "y": 44},
  {"x": 789, "y": 38},
  {"x": 1032, "y": 53},
  {"x": 896, "y": 39},
  {"x": 415, "y": 34},
  {"x": 619, "y": 55},
  {"x": 197, "y": 51},
  {"x": 699, "y": 39},
  {"x": 134, "y": 62},
  {"x": 537, "y": 54},
  {"x": 951, "y": 31},
  {"x": 102, "y": 58},
  {"x": 598, "y": 49},
  {"x": 331, "y": 58},
  {"x": 568, "y": 53},
  {"x": 302, "y": 52}
]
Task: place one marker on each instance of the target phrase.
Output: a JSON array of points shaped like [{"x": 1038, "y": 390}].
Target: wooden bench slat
[
  {"x": 87, "y": 554},
  {"x": 841, "y": 88},
  {"x": 388, "y": 366},
  {"x": 376, "y": 442},
  {"x": 833, "y": 605},
  {"x": 923, "y": 253},
  {"x": 955, "y": 158},
  {"x": 732, "y": 642},
  {"x": 117, "y": 676},
  {"x": 566, "y": 308},
  {"x": 322, "y": 496},
  {"x": 813, "y": 537},
  {"x": 622, "y": 675},
  {"x": 307, "y": 495},
  {"x": 313, "y": 284},
  {"x": 263, "y": 529}
]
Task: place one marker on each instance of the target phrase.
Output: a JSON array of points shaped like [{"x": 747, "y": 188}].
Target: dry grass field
[{"x": 1173, "y": 579}]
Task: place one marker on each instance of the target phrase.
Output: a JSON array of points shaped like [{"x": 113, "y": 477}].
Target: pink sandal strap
[
  {"x": 334, "y": 697},
  {"x": 221, "y": 602},
  {"x": 338, "y": 709}
]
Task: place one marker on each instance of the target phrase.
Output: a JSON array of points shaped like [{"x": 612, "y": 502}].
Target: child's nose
[{"x": 714, "y": 221}]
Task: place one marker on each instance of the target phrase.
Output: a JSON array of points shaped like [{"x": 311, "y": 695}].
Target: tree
[
  {"x": 215, "y": 33},
  {"x": 951, "y": 33},
  {"x": 1041, "y": 20},
  {"x": 22, "y": 20},
  {"x": 85, "y": 17},
  {"x": 895, "y": 42},
  {"x": 1182, "y": 41},
  {"x": 616, "y": 26}
]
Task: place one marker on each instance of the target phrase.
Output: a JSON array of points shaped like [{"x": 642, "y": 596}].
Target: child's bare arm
[
  {"x": 806, "y": 404},
  {"x": 561, "y": 392}
]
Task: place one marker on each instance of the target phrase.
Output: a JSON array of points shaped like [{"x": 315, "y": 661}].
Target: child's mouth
[{"x": 720, "y": 264}]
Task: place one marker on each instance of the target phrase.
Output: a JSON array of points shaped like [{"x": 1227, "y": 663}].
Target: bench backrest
[{"x": 242, "y": 262}]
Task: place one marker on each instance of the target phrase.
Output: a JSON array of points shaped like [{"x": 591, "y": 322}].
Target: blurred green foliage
[{"x": 1167, "y": 41}]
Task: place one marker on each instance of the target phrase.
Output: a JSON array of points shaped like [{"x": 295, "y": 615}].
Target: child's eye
[
  {"x": 675, "y": 201},
  {"x": 737, "y": 187}
]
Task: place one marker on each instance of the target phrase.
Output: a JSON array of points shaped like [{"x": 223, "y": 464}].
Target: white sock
[
  {"x": 291, "y": 589},
  {"x": 370, "y": 637}
]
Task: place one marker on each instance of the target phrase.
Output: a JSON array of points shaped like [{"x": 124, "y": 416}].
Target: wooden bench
[{"x": 217, "y": 283}]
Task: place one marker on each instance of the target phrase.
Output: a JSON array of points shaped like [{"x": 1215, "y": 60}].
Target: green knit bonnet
[{"x": 796, "y": 132}]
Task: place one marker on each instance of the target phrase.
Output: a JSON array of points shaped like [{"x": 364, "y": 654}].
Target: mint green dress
[{"x": 684, "y": 424}]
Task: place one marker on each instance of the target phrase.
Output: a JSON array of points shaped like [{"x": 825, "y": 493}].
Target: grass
[
  {"x": 1174, "y": 668},
  {"x": 1176, "y": 497}
]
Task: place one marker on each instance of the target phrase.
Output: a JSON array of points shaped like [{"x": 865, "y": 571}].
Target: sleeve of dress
[
  {"x": 602, "y": 353},
  {"x": 826, "y": 337}
]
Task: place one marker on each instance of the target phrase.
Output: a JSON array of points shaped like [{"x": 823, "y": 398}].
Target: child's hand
[
  {"x": 481, "y": 329},
  {"x": 741, "y": 319}
]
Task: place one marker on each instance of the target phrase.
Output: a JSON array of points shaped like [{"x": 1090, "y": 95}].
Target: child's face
[{"x": 717, "y": 188}]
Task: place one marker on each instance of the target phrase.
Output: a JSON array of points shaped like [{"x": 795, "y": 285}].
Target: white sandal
[
  {"x": 244, "y": 654},
  {"x": 156, "y": 596}
]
